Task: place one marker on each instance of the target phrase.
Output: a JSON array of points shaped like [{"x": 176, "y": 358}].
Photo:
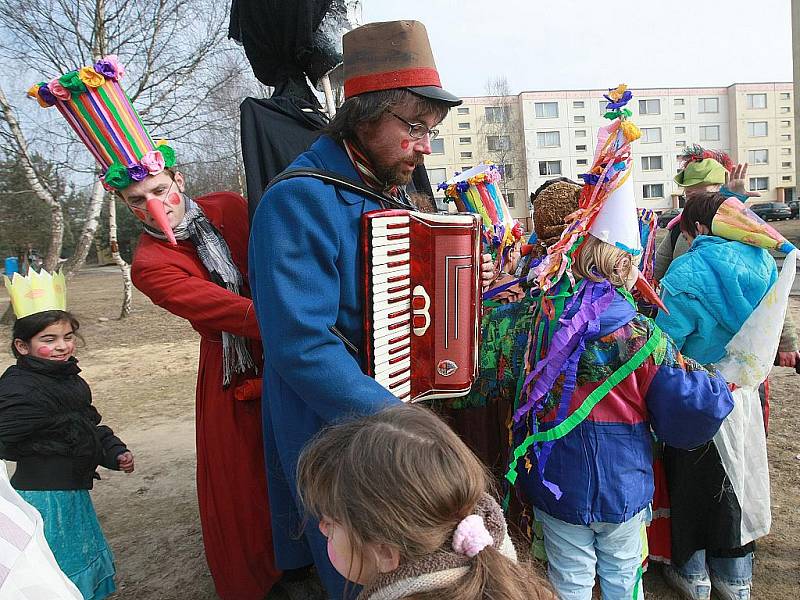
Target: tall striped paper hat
[{"x": 100, "y": 112}]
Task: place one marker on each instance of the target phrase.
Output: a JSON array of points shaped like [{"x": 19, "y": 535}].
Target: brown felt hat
[{"x": 392, "y": 55}]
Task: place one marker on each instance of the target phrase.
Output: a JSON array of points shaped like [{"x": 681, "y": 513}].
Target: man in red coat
[{"x": 202, "y": 277}]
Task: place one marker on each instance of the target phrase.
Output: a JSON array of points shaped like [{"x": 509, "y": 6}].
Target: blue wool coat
[
  {"x": 305, "y": 276},
  {"x": 710, "y": 291}
]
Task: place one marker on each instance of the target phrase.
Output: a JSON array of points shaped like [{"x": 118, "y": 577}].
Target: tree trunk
[
  {"x": 77, "y": 260},
  {"x": 124, "y": 267},
  {"x": 38, "y": 186}
]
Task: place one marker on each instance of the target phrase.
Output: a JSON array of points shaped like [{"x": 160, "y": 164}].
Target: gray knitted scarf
[{"x": 213, "y": 251}]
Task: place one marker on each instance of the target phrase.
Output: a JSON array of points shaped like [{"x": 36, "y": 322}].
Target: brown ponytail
[{"x": 403, "y": 478}]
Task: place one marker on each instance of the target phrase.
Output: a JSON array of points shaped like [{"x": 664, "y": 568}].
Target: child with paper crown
[
  {"x": 719, "y": 493},
  {"x": 49, "y": 426},
  {"x": 599, "y": 377},
  {"x": 192, "y": 261}
]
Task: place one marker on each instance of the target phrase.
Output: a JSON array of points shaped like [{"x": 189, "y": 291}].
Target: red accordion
[{"x": 422, "y": 302}]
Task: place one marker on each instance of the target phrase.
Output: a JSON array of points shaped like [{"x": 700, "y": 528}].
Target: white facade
[{"x": 557, "y": 132}]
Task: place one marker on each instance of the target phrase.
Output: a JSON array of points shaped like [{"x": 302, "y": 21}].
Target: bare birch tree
[
  {"x": 19, "y": 146},
  {"x": 172, "y": 50}
]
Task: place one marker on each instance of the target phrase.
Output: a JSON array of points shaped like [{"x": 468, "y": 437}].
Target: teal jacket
[{"x": 710, "y": 291}]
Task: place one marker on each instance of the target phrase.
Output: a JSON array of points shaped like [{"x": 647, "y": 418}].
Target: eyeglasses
[
  {"x": 161, "y": 195},
  {"x": 417, "y": 130}
]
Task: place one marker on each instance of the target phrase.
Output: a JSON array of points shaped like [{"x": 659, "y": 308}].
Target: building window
[
  {"x": 786, "y": 109},
  {"x": 577, "y": 104},
  {"x": 463, "y": 125},
  {"x": 437, "y": 146},
  {"x": 498, "y": 142},
  {"x": 549, "y": 167},
  {"x": 603, "y": 107},
  {"x": 652, "y": 163},
  {"x": 650, "y": 107},
  {"x": 466, "y": 155},
  {"x": 785, "y": 95},
  {"x": 463, "y": 110},
  {"x": 680, "y": 144},
  {"x": 759, "y": 184},
  {"x": 680, "y": 116},
  {"x": 786, "y": 123},
  {"x": 708, "y": 105},
  {"x": 786, "y": 137},
  {"x": 756, "y": 101},
  {"x": 580, "y": 119},
  {"x": 709, "y": 133},
  {"x": 546, "y": 110},
  {"x": 786, "y": 178},
  {"x": 466, "y": 168},
  {"x": 680, "y": 130},
  {"x": 507, "y": 171},
  {"x": 437, "y": 176},
  {"x": 548, "y": 139},
  {"x": 465, "y": 140},
  {"x": 786, "y": 151},
  {"x": 498, "y": 114},
  {"x": 652, "y": 190},
  {"x": 580, "y": 133},
  {"x": 651, "y": 135},
  {"x": 757, "y": 128},
  {"x": 580, "y": 148},
  {"x": 678, "y": 102},
  {"x": 510, "y": 199},
  {"x": 786, "y": 165},
  {"x": 582, "y": 162},
  {"x": 758, "y": 157}
]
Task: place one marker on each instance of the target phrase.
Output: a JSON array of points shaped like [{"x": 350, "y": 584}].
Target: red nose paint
[
  {"x": 174, "y": 199},
  {"x": 405, "y": 144},
  {"x": 156, "y": 209},
  {"x": 44, "y": 351}
]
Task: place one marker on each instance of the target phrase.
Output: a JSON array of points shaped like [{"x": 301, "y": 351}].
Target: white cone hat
[{"x": 617, "y": 222}]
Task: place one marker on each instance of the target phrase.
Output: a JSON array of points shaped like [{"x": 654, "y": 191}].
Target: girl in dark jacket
[{"x": 50, "y": 428}]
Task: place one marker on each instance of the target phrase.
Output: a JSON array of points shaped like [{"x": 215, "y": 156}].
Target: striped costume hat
[{"x": 100, "y": 112}]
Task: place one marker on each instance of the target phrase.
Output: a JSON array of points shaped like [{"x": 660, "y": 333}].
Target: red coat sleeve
[{"x": 201, "y": 301}]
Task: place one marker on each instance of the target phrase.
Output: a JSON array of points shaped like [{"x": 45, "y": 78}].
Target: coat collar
[{"x": 333, "y": 157}]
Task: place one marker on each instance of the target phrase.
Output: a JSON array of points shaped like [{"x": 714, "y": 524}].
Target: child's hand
[{"x": 125, "y": 462}]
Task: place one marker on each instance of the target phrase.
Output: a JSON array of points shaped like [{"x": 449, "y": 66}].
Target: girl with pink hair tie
[{"x": 406, "y": 510}]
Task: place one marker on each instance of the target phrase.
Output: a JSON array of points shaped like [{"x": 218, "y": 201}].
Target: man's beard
[{"x": 395, "y": 175}]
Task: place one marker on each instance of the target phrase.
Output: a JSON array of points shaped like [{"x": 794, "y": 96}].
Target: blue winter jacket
[
  {"x": 710, "y": 291},
  {"x": 305, "y": 276},
  {"x": 603, "y": 467}
]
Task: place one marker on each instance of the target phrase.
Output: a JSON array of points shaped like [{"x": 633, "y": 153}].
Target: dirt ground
[{"x": 142, "y": 374}]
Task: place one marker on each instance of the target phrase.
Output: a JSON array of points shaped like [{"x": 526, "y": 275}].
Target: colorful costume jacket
[
  {"x": 604, "y": 466},
  {"x": 231, "y": 483},
  {"x": 305, "y": 271}
]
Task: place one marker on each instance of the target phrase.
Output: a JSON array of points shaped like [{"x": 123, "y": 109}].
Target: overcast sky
[{"x": 588, "y": 44}]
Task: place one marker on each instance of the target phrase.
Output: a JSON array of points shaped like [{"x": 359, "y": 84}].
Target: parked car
[
  {"x": 794, "y": 206},
  {"x": 772, "y": 211},
  {"x": 667, "y": 216}
]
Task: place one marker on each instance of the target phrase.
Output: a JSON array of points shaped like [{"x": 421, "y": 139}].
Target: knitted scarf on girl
[
  {"x": 444, "y": 567},
  {"x": 366, "y": 171},
  {"x": 213, "y": 251}
]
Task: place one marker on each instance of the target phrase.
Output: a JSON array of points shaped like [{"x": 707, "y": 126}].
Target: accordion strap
[{"x": 340, "y": 181}]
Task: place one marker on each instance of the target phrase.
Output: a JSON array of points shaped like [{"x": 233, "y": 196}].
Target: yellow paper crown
[{"x": 36, "y": 292}]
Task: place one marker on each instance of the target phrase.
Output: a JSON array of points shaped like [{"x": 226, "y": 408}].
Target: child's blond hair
[{"x": 598, "y": 260}]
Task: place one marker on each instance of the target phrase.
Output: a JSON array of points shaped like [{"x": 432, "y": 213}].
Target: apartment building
[
  {"x": 546, "y": 134},
  {"x": 483, "y": 128}
]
